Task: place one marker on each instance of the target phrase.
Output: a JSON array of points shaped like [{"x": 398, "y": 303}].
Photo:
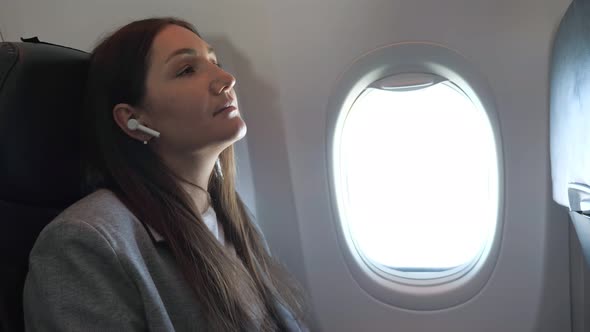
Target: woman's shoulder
[
  {"x": 102, "y": 202},
  {"x": 100, "y": 212}
]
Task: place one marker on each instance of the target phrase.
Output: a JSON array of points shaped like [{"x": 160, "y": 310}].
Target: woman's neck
[{"x": 194, "y": 172}]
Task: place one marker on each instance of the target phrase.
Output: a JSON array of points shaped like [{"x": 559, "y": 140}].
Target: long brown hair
[{"x": 241, "y": 292}]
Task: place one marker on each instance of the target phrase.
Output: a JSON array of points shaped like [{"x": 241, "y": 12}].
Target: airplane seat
[
  {"x": 41, "y": 95},
  {"x": 570, "y": 118}
]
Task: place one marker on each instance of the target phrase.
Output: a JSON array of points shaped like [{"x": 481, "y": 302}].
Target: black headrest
[{"x": 41, "y": 97}]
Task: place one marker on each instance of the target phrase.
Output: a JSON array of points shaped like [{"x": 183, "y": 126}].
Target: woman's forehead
[{"x": 174, "y": 38}]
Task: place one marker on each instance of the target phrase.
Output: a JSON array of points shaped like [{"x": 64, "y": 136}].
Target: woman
[{"x": 163, "y": 242}]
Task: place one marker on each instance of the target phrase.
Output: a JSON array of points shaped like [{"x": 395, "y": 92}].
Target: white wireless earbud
[{"x": 133, "y": 124}]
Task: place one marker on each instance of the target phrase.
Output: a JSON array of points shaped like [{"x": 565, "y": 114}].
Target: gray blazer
[{"x": 97, "y": 268}]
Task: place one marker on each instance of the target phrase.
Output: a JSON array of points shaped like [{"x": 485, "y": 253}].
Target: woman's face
[{"x": 187, "y": 95}]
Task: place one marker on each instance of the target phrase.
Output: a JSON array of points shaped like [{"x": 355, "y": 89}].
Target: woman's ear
[{"x": 122, "y": 113}]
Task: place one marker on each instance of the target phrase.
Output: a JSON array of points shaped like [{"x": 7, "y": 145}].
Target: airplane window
[{"x": 417, "y": 176}]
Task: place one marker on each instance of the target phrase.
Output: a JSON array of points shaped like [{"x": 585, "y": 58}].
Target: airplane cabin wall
[{"x": 287, "y": 57}]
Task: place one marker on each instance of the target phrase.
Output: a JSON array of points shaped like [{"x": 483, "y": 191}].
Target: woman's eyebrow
[
  {"x": 189, "y": 51},
  {"x": 180, "y": 51},
  {"x": 210, "y": 50}
]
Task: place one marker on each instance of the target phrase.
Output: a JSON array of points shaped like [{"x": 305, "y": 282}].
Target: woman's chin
[
  {"x": 241, "y": 131},
  {"x": 236, "y": 132}
]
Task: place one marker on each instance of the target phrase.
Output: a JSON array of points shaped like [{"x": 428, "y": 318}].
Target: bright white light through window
[{"x": 418, "y": 177}]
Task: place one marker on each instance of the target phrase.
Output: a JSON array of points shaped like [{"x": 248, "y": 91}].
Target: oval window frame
[{"x": 413, "y": 57}]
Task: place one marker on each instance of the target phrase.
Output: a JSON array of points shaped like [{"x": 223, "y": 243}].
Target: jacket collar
[{"x": 155, "y": 236}]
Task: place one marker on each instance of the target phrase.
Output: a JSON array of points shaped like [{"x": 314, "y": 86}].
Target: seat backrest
[
  {"x": 41, "y": 97},
  {"x": 570, "y": 102}
]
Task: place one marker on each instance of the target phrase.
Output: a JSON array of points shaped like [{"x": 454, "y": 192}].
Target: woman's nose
[{"x": 223, "y": 82}]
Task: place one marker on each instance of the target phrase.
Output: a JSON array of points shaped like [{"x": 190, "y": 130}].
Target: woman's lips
[{"x": 228, "y": 109}]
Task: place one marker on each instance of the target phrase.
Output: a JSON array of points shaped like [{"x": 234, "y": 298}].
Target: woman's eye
[
  {"x": 217, "y": 64},
  {"x": 185, "y": 71}
]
